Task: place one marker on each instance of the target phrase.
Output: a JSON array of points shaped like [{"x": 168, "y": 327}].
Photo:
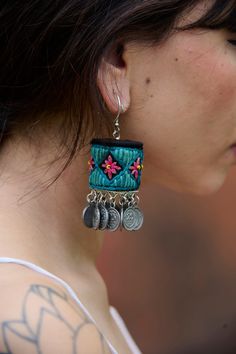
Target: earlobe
[{"x": 112, "y": 82}]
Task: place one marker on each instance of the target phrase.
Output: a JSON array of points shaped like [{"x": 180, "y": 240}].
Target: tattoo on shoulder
[{"x": 50, "y": 322}]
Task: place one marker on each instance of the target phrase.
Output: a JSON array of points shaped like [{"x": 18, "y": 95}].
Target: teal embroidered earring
[{"x": 115, "y": 169}]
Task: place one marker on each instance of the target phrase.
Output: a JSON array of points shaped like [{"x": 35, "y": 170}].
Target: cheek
[
  {"x": 194, "y": 98},
  {"x": 212, "y": 81},
  {"x": 186, "y": 118},
  {"x": 211, "y": 104}
]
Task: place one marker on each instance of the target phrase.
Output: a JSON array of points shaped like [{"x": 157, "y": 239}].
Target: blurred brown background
[{"x": 174, "y": 281}]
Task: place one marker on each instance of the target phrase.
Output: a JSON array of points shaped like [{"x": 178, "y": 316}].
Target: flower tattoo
[{"x": 50, "y": 322}]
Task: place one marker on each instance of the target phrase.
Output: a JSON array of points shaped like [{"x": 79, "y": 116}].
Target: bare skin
[
  {"x": 44, "y": 318},
  {"x": 180, "y": 100},
  {"x": 61, "y": 245}
]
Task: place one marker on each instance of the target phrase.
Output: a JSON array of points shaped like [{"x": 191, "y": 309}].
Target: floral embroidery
[
  {"x": 111, "y": 167},
  {"x": 136, "y": 168},
  {"x": 91, "y": 163}
]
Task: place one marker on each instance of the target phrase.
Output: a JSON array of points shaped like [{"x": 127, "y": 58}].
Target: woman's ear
[{"x": 113, "y": 80}]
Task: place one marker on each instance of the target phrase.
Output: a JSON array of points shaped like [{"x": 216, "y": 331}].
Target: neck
[{"x": 44, "y": 225}]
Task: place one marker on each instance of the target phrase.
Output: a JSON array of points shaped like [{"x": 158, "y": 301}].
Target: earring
[{"x": 115, "y": 169}]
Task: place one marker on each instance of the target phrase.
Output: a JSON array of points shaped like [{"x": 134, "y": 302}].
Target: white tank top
[{"x": 116, "y": 316}]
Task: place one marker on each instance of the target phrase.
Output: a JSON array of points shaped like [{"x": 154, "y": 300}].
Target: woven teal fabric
[{"x": 115, "y": 168}]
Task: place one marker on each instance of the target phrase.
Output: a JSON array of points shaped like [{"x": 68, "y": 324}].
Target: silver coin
[
  {"x": 96, "y": 217},
  {"x": 114, "y": 219},
  {"x": 104, "y": 217},
  {"x": 139, "y": 220},
  {"x": 130, "y": 219},
  {"x": 88, "y": 215},
  {"x": 121, "y": 217}
]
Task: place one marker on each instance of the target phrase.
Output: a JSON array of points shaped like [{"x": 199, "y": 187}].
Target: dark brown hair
[{"x": 50, "y": 52}]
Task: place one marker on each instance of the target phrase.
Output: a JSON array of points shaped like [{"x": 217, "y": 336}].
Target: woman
[{"x": 172, "y": 66}]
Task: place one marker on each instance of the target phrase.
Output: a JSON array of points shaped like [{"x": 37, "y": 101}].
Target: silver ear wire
[
  {"x": 116, "y": 133},
  {"x": 121, "y": 108}
]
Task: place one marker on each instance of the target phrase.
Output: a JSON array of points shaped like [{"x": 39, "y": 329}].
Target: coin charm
[
  {"x": 104, "y": 217},
  {"x": 130, "y": 219},
  {"x": 114, "y": 219},
  {"x": 88, "y": 215},
  {"x": 139, "y": 220},
  {"x": 96, "y": 217},
  {"x": 121, "y": 217}
]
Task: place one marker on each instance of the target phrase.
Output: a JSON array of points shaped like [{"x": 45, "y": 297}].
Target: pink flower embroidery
[
  {"x": 91, "y": 164},
  {"x": 110, "y": 167},
  {"x": 136, "y": 167}
]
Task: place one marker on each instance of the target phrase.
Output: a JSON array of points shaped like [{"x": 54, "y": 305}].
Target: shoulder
[{"x": 37, "y": 315}]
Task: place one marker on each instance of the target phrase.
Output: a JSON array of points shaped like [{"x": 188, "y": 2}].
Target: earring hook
[{"x": 116, "y": 133}]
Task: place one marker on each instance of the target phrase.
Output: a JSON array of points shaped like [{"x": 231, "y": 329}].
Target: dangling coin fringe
[{"x": 107, "y": 210}]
